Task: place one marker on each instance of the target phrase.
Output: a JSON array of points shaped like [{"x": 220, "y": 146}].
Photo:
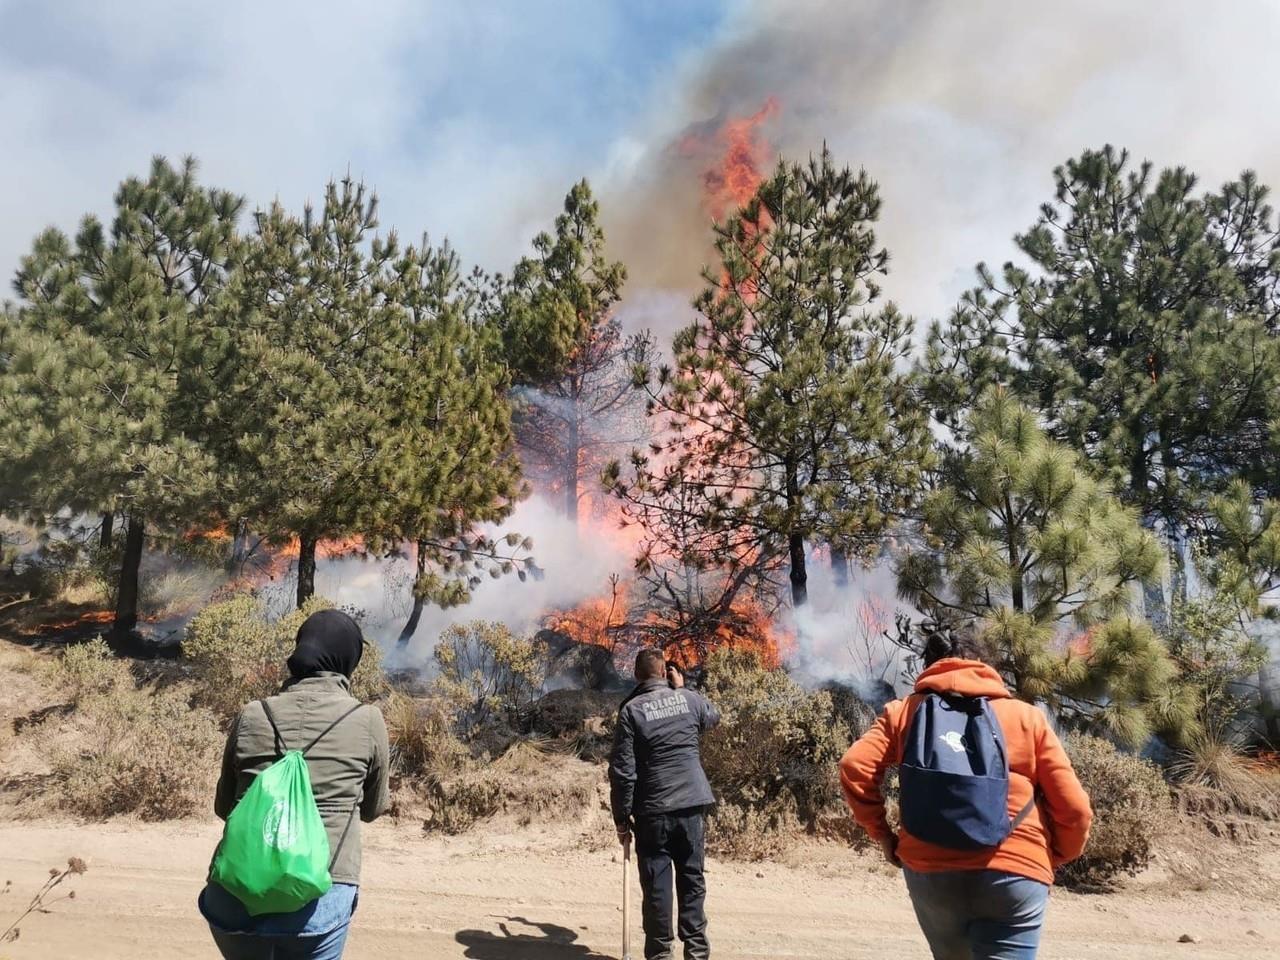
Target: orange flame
[
  {"x": 743, "y": 153},
  {"x": 610, "y": 621}
]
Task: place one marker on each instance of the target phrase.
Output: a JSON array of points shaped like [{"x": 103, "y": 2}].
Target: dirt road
[{"x": 532, "y": 896}]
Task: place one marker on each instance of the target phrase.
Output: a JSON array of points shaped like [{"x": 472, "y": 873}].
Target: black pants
[{"x": 666, "y": 841}]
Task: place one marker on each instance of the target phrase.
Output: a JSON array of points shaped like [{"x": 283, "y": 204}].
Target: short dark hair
[
  {"x": 650, "y": 664},
  {"x": 941, "y": 644}
]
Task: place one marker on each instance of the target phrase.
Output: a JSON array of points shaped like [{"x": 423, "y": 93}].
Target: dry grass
[
  {"x": 531, "y": 781},
  {"x": 1221, "y": 769}
]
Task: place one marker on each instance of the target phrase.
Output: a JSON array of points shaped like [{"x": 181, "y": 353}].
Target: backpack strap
[
  {"x": 325, "y": 732},
  {"x": 1023, "y": 813},
  {"x": 275, "y": 729},
  {"x": 281, "y": 746}
]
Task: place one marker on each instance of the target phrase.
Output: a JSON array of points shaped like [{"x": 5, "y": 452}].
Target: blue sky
[
  {"x": 460, "y": 114},
  {"x": 472, "y": 119}
]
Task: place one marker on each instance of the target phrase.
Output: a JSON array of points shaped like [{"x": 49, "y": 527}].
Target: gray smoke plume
[{"x": 960, "y": 111}]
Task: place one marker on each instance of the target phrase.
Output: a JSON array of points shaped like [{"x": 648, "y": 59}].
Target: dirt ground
[
  {"x": 536, "y": 895},
  {"x": 505, "y": 892}
]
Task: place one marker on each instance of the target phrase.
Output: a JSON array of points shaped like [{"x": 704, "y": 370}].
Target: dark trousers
[{"x": 668, "y": 843}]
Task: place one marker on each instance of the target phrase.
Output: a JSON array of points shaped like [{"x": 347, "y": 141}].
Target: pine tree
[
  {"x": 1032, "y": 556},
  {"x": 108, "y": 345},
  {"x": 361, "y": 400},
  {"x": 1144, "y": 332},
  {"x": 450, "y": 417},
  {"x": 575, "y": 395},
  {"x": 786, "y": 420}
]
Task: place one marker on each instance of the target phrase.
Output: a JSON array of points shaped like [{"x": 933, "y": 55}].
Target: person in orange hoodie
[{"x": 986, "y": 903}]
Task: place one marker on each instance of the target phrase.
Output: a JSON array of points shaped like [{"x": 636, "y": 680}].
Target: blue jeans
[
  {"x": 316, "y": 932},
  {"x": 979, "y": 914}
]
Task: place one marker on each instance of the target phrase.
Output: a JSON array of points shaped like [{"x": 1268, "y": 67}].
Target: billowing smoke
[
  {"x": 576, "y": 563},
  {"x": 959, "y": 110}
]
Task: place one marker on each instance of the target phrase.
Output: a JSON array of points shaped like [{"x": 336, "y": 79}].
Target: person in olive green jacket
[{"x": 346, "y": 750}]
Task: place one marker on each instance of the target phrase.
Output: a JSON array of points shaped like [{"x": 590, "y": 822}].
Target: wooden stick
[{"x": 626, "y": 900}]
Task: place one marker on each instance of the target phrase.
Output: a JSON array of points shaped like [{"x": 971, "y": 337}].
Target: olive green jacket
[{"x": 348, "y": 766}]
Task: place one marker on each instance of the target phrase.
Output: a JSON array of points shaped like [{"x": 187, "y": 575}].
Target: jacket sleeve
[
  {"x": 862, "y": 771},
  {"x": 377, "y": 793},
  {"x": 1065, "y": 802},
  {"x": 224, "y": 797},
  {"x": 622, "y": 769}
]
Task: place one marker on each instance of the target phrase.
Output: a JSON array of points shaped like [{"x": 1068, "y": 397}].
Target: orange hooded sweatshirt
[{"x": 1052, "y": 834}]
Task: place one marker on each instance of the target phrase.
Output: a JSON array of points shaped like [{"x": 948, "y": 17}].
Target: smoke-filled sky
[{"x": 473, "y": 119}]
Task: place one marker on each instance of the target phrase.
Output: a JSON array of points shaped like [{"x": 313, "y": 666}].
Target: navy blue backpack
[{"x": 954, "y": 775}]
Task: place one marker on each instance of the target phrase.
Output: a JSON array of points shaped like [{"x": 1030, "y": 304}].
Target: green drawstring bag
[{"x": 274, "y": 854}]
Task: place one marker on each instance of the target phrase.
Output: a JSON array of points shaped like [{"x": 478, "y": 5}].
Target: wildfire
[
  {"x": 742, "y": 153},
  {"x": 91, "y": 618},
  {"x": 612, "y": 621}
]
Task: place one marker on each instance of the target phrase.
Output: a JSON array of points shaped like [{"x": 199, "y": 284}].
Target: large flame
[
  {"x": 613, "y": 622},
  {"x": 741, "y": 153}
]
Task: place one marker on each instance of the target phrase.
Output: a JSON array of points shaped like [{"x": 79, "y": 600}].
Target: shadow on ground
[{"x": 521, "y": 939}]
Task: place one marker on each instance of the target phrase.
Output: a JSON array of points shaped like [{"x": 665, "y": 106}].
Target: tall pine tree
[
  {"x": 1144, "y": 331},
  {"x": 575, "y": 396},
  {"x": 1032, "y": 556},
  {"x": 108, "y": 346}
]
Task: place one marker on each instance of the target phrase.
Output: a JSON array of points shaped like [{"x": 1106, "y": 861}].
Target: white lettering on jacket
[{"x": 671, "y": 706}]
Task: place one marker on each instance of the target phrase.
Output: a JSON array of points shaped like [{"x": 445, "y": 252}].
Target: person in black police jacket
[{"x": 660, "y": 790}]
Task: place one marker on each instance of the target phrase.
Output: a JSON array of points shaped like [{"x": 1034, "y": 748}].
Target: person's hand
[
  {"x": 675, "y": 678},
  {"x": 890, "y": 847},
  {"x": 624, "y": 834}
]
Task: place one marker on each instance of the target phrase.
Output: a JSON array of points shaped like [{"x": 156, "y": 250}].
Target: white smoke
[{"x": 576, "y": 564}]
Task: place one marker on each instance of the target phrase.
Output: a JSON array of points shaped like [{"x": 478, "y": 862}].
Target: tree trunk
[
  {"x": 839, "y": 567},
  {"x": 415, "y": 615},
  {"x": 1153, "y": 602},
  {"x": 306, "y": 569},
  {"x": 799, "y": 576},
  {"x": 127, "y": 587},
  {"x": 239, "y": 547},
  {"x": 106, "y": 536},
  {"x": 572, "y": 454}
]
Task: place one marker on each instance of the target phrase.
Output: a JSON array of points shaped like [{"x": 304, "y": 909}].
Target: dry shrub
[
  {"x": 239, "y": 653},
  {"x": 423, "y": 746},
  {"x": 772, "y": 760},
  {"x": 528, "y": 782},
  {"x": 489, "y": 676},
  {"x": 178, "y": 591},
  {"x": 91, "y": 669},
  {"x": 143, "y": 751},
  {"x": 1131, "y": 808}
]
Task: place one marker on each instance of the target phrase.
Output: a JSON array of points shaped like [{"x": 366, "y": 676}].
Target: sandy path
[{"x": 524, "y": 897}]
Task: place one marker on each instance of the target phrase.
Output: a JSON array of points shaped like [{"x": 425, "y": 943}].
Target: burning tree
[
  {"x": 575, "y": 396},
  {"x": 1027, "y": 549},
  {"x": 786, "y": 420},
  {"x": 100, "y": 363}
]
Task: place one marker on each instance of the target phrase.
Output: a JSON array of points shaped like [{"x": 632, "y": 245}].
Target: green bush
[
  {"x": 772, "y": 760},
  {"x": 1131, "y": 808},
  {"x": 239, "y": 654}
]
